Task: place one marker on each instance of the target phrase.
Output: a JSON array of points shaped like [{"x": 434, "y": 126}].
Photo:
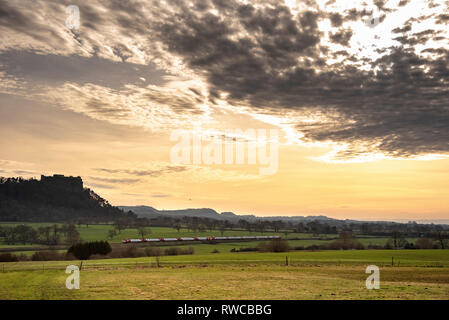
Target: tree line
[{"x": 47, "y": 235}]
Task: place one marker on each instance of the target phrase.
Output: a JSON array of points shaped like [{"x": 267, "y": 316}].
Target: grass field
[
  {"x": 100, "y": 232},
  {"x": 405, "y": 274},
  {"x": 421, "y": 274}
]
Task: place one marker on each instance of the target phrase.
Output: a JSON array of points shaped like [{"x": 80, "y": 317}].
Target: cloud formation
[
  {"x": 157, "y": 172},
  {"x": 373, "y": 87},
  {"x": 113, "y": 180}
]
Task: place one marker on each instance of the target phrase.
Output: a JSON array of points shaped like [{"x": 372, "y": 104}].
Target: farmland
[
  {"x": 416, "y": 274},
  {"x": 96, "y": 232},
  {"x": 100, "y": 232},
  {"x": 217, "y": 271}
]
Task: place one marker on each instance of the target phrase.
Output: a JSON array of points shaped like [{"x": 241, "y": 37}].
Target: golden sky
[{"x": 357, "y": 90}]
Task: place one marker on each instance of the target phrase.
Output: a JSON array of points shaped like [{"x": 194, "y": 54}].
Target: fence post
[
  {"x": 286, "y": 260},
  {"x": 392, "y": 261}
]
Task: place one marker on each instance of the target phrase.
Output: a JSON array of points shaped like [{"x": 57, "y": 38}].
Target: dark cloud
[
  {"x": 403, "y": 3},
  {"x": 273, "y": 60},
  {"x": 23, "y": 172},
  {"x": 145, "y": 173},
  {"x": 29, "y": 23},
  {"x": 401, "y": 108},
  {"x": 406, "y": 28},
  {"x": 160, "y": 195},
  {"x": 114, "y": 180},
  {"x": 50, "y": 69},
  {"x": 336, "y": 19},
  {"x": 443, "y": 19},
  {"x": 341, "y": 37},
  {"x": 11, "y": 17}
]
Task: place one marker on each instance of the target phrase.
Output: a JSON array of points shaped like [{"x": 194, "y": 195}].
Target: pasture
[
  {"x": 416, "y": 274},
  {"x": 97, "y": 232},
  {"x": 337, "y": 274}
]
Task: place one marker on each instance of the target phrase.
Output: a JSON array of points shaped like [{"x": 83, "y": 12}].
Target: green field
[
  {"x": 417, "y": 274},
  {"x": 338, "y": 274},
  {"x": 100, "y": 232}
]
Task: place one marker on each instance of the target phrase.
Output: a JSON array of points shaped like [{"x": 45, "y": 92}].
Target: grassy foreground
[
  {"x": 421, "y": 274},
  {"x": 229, "y": 282}
]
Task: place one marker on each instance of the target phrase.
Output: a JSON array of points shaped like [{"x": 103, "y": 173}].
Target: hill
[
  {"x": 150, "y": 212},
  {"x": 53, "y": 198}
]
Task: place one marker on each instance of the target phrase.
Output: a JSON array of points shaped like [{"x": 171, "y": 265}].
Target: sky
[{"x": 348, "y": 101}]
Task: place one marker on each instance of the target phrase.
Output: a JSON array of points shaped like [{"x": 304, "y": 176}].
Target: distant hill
[
  {"x": 150, "y": 212},
  {"x": 53, "y": 198},
  {"x": 60, "y": 198}
]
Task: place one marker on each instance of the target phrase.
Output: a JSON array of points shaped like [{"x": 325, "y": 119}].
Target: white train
[{"x": 200, "y": 239}]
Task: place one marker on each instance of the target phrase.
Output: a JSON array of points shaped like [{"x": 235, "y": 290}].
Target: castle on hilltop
[{"x": 73, "y": 183}]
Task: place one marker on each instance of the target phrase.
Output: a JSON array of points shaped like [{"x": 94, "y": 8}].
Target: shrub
[
  {"x": 188, "y": 250},
  {"x": 388, "y": 245},
  {"x": 23, "y": 257},
  {"x": 344, "y": 244},
  {"x": 424, "y": 243},
  {"x": 215, "y": 251},
  {"x": 171, "y": 251},
  {"x": 8, "y": 257},
  {"x": 275, "y": 245},
  {"x": 47, "y": 255},
  {"x": 153, "y": 251},
  {"x": 178, "y": 251},
  {"x": 83, "y": 251},
  {"x": 69, "y": 256},
  {"x": 130, "y": 252},
  {"x": 313, "y": 247},
  {"x": 248, "y": 249},
  {"x": 345, "y": 241},
  {"x": 409, "y": 245}
]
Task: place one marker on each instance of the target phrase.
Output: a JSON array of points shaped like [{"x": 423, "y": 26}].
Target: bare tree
[
  {"x": 222, "y": 229},
  {"x": 398, "y": 239},
  {"x": 441, "y": 237},
  {"x": 112, "y": 233},
  {"x": 72, "y": 235},
  {"x": 120, "y": 225},
  {"x": 143, "y": 231}
]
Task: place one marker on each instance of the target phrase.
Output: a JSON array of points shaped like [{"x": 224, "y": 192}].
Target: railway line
[{"x": 181, "y": 239}]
